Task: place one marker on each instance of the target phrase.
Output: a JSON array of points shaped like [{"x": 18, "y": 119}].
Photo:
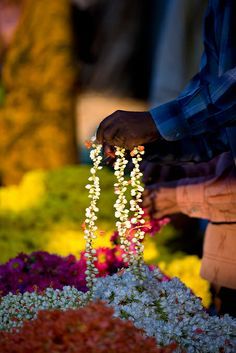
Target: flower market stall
[{"x": 108, "y": 300}]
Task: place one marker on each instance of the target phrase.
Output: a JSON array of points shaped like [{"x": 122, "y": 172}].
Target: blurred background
[{"x": 64, "y": 66}]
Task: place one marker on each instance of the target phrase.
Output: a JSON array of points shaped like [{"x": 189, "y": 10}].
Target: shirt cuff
[{"x": 170, "y": 121}]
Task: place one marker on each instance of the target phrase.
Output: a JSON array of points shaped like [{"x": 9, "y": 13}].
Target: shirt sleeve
[
  {"x": 206, "y": 109},
  {"x": 208, "y": 102},
  {"x": 193, "y": 149},
  {"x": 213, "y": 199}
]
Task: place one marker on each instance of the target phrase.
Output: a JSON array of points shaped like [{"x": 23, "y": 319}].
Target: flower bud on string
[
  {"x": 136, "y": 257},
  {"x": 133, "y": 248},
  {"x": 90, "y": 227},
  {"x": 121, "y": 211}
]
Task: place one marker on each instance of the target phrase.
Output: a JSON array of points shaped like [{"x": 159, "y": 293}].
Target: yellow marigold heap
[
  {"x": 188, "y": 270},
  {"x": 29, "y": 193}
]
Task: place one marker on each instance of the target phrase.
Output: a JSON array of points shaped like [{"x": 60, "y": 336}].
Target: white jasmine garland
[
  {"x": 136, "y": 257},
  {"x": 133, "y": 248},
  {"x": 90, "y": 213},
  {"x": 133, "y": 253},
  {"x": 121, "y": 211}
]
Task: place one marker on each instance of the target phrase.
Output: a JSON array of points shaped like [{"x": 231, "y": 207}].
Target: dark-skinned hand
[{"x": 127, "y": 129}]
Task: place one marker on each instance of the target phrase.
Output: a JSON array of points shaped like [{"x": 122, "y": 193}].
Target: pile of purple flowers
[{"x": 40, "y": 270}]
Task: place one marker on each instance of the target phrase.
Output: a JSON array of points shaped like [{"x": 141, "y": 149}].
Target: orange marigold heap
[
  {"x": 37, "y": 116},
  {"x": 91, "y": 329}
]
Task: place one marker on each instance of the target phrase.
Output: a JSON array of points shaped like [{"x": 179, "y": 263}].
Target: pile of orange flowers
[
  {"x": 38, "y": 76},
  {"x": 86, "y": 330}
]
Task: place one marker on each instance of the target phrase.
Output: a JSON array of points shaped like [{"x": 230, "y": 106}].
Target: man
[
  {"x": 201, "y": 122},
  {"x": 195, "y": 127}
]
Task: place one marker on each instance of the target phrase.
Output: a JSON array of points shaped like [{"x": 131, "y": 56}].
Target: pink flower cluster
[
  {"x": 109, "y": 261},
  {"x": 151, "y": 227}
]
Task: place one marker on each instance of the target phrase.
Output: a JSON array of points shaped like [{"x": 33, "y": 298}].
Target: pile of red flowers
[{"x": 91, "y": 329}]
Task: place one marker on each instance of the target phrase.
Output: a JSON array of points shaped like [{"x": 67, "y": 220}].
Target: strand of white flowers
[
  {"x": 136, "y": 257},
  {"x": 121, "y": 211},
  {"x": 90, "y": 213}
]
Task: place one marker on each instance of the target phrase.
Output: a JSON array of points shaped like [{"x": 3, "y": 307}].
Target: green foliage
[{"x": 62, "y": 206}]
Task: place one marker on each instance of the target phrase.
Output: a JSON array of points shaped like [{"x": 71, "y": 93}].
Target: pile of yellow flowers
[
  {"x": 188, "y": 270},
  {"x": 29, "y": 193},
  {"x": 64, "y": 241}
]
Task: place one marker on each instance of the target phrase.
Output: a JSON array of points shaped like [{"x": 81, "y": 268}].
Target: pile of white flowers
[
  {"x": 15, "y": 308},
  {"x": 166, "y": 310}
]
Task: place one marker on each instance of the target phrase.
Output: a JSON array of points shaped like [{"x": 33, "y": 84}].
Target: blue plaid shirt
[{"x": 201, "y": 122}]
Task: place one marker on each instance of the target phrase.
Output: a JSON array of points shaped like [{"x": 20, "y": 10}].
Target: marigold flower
[
  {"x": 140, "y": 148},
  {"x": 88, "y": 144}
]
